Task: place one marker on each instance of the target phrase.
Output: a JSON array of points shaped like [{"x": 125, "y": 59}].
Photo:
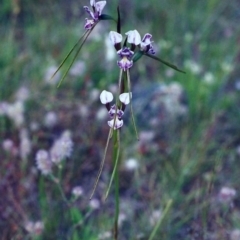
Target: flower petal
[
  {"x": 115, "y": 37},
  {"x": 99, "y": 7},
  {"x": 92, "y": 3},
  {"x": 125, "y": 97},
  {"x": 118, "y": 123},
  {"x": 91, "y": 14},
  {"x": 106, "y": 97},
  {"x": 89, "y": 23},
  {"x": 133, "y": 37}
]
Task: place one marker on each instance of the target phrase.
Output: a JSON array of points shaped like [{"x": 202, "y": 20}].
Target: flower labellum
[
  {"x": 113, "y": 111},
  {"x": 118, "y": 123},
  {"x": 125, "y": 55}
]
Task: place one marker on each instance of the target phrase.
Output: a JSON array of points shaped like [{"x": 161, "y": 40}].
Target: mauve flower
[
  {"x": 43, "y": 162},
  {"x": 105, "y": 98},
  {"x": 96, "y": 12},
  {"x": 77, "y": 191},
  {"x": 146, "y": 44}
]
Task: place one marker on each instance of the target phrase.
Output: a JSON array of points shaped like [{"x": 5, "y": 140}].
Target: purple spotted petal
[
  {"x": 89, "y": 23},
  {"x": 99, "y": 7},
  {"x": 118, "y": 123},
  {"x": 91, "y": 14},
  {"x": 125, "y": 63},
  {"x": 112, "y": 112},
  {"x": 125, "y": 52}
]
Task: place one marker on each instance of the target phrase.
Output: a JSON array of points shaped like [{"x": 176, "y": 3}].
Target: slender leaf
[
  {"x": 102, "y": 164},
  {"x": 106, "y": 17},
  {"x": 137, "y": 56},
  {"x": 69, "y": 53},
  {"x": 165, "y": 62}
]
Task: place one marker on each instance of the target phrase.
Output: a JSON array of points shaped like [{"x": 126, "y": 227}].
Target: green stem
[
  {"x": 116, "y": 136},
  {"x": 167, "y": 208}
]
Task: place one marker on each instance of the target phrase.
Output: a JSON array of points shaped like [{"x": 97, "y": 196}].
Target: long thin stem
[
  {"x": 102, "y": 164},
  {"x": 156, "y": 228},
  {"x": 116, "y": 180},
  {"x": 131, "y": 108}
]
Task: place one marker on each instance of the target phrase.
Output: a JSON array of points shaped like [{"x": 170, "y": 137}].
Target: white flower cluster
[{"x": 61, "y": 149}]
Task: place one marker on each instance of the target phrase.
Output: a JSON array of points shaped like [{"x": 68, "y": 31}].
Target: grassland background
[{"x": 193, "y": 148}]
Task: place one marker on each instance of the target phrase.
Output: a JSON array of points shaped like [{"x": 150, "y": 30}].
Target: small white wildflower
[
  {"x": 22, "y": 94},
  {"x": 38, "y": 228},
  {"x": 154, "y": 217},
  {"x": 131, "y": 164},
  {"x": 208, "y": 78},
  {"x": 146, "y": 136},
  {"x": 25, "y": 144},
  {"x": 77, "y": 191},
  {"x": 7, "y": 145},
  {"x": 227, "y": 194},
  {"x": 61, "y": 148},
  {"x": 50, "y": 119},
  {"x": 49, "y": 73},
  {"x": 3, "y": 108},
  {"x": 78, "y": 69},
  {"x": 101, "y": 113},
  {"x": 83, "y": 110},
  {"x": 193, "y": 66},
  {"x": 235, "y": 234},
  {"x": 94, "y": 95},
  {"x": 226, "y": 67},
  {"x": 43, "y": 162},
  {"x": 34, "y": 126},
  {"x": 110, "y": 53},
  {"x": 104, "y": 235},
  {"x": 237, "y": 85},
  {"x": 188, "y": 37},
  {"x": 94, "y": 203},
  {"x": 121, "y": 218},
  {"x": 29, "y": 226},
  {"x": 15, "y": 112}
]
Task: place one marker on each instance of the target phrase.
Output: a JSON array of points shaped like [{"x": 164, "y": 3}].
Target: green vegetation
[{"x": 185, "y": 167}]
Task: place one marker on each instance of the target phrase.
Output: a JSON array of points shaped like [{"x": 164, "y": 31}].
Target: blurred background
[{"x": 189, "y": 147}]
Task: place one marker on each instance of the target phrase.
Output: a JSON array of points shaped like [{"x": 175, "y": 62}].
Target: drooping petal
[
  {"x": 134, "y": 37},
  {"x": 92, "y": 3},
  {"x": 125, "y": 97},
  {"x": 99, "y": 7},
  {"x": 118, "y": 123},
  {"x": 115, "y": 37},
  {"x": 106, "y": 97}
]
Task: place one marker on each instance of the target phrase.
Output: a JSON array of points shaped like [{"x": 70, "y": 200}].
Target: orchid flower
[
  {"x": 107, "y": 97},
  {"x": 125, "y": 53},
  {"x": 146, "y": 44},
  {"x": 97, "y": 8}
]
